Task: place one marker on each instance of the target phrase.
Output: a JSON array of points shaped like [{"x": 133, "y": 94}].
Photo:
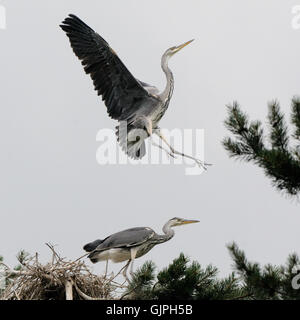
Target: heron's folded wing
[
  {"x": 126, "y": 239},
  {"x": 121, "y": 92}
]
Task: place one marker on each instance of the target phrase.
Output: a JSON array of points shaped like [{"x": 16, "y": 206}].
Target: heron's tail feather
[
  {"x": 89, "y": 247},
  {"x": 132, "y": 142},
  {"x": 93, "y": 257}
]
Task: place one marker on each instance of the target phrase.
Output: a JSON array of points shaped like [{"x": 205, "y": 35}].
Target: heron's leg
[
  {"x": 162, "y": 148},
  {"x": 125, "y": 270},
  {"x": 122, "y": 269},
  {"x": 106, "y": 268},
  {"x": 133, "y": 253},
  {"x": 173, "y": 151}
]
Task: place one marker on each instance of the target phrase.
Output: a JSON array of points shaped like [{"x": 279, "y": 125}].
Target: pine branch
[
  {"x": 278, "y": 128},
  {"x": 249, "y": 136},
  {"x": 187, "y": 281},
  {"x": 295, "y": 119},
  {"x": 140, "y": 286},
  {"x": 279, "y": 163},
  {"x": 270, "y": 282}
]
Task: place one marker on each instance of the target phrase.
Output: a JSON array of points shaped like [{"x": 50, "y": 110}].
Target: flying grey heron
[
  {"x": 131, "y": 243},
  {"x": 137, "y": 104}
]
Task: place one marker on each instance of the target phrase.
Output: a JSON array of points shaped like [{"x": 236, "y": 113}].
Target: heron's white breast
[{"x": 115, "y": 254}]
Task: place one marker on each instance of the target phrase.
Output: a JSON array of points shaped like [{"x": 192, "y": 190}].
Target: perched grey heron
[
  {"x": 137, "y": 105},
  {"x": 131, "y": 243}
]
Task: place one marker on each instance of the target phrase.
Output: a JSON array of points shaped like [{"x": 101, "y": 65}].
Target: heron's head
[
  {"x": 175, "y": 222},
  {"x": 171, "y": 51}
]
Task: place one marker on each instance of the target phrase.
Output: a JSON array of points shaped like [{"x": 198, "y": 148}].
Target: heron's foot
[
  {"x": 172, "y": 155},
  {"x": 123, "y": 283},
  {"x": 202, "y": 164},
  {"x": 126, "y": 277},
  {"x": 199, "y": 162}
]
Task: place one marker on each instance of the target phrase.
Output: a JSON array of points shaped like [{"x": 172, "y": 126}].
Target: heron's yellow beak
[
  {"x": 183, "y": 45},
  {"x": 189, "y": 221}
]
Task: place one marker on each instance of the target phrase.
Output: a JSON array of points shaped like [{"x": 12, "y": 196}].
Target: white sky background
[{"x": 52, "y": 188}]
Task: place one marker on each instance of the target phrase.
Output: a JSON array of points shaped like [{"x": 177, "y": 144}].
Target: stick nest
[{"x": 57, "y": 280}]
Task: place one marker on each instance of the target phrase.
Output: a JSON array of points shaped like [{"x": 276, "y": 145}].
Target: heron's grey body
[
  {"x": 133, "y": 102},
  {"x": 130, "y": 244},
  {"x": 118, "y": 246}
]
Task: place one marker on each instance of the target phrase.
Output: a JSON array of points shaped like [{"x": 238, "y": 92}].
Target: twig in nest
[{"x": 55, "y": 255}]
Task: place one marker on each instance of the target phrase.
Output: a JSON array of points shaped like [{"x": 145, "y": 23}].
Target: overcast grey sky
[{"x": 52, "y": 188}]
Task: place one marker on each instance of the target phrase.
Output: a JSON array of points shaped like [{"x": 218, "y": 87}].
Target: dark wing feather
[
  {"x": 121, "y": 92},
  {"x": 92, "y": 245},
  {"x": 126, "y": 239}
]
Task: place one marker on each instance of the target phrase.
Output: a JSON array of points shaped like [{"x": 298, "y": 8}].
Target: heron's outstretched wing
[
  {"x": 126, "y": 239},
  {"x": 121, "y": 92}
]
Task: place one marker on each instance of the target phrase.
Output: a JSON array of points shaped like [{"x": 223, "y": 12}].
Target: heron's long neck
[
  {"x": 168, "y": 231},
  {"x": 167, "y": 93},
  {"x": 168, "y": 234}
]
